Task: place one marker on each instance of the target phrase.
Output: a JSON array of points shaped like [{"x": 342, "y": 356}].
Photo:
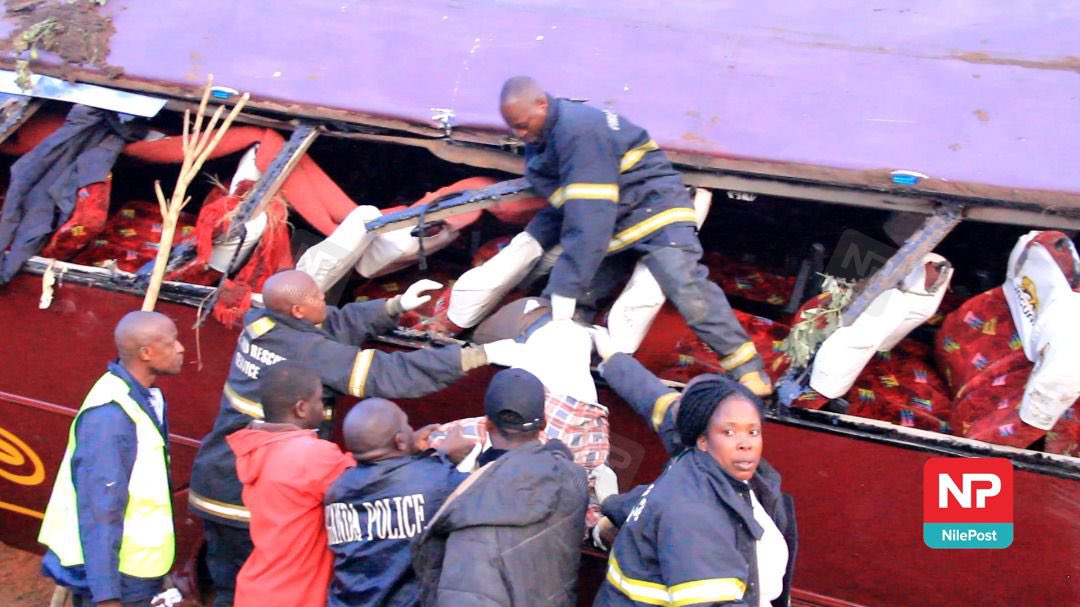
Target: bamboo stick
[{"x": 198, "y": 144}]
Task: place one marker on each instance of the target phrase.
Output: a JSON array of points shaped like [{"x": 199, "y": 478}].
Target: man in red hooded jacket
[{"x": 285, "y": 470}]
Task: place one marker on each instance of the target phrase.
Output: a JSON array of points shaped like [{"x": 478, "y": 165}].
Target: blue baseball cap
[{"x": 515, "y": 400}]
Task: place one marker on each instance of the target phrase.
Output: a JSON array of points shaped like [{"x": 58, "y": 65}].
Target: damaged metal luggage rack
[{"x": 117, "y": 280}]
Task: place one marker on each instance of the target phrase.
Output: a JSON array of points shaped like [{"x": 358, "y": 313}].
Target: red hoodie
[{"x": 285, "y": 476}]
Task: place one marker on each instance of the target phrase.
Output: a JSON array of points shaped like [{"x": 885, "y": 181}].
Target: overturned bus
[{"x": 935, "y": 172}]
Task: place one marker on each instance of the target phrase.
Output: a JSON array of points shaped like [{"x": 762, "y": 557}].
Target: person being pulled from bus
[
  {"x": 559, "y": 355},
  {"x": 715, "y": 527},
  {"x": 297, "y": 325},
  {"x": 286, "y": 469},
  {"x": 109, "y": 523},
  {"x": 511, "y": 533},
  {"x": 374, "y": 510},
  {"x": 613, "y": 193}
]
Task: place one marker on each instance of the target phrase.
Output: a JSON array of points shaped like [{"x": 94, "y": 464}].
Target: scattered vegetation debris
[
  {"x": 816, "y": 324},
  {"x": 73, "y": 30}
]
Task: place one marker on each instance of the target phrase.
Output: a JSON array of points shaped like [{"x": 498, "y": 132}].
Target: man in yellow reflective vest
[{"x": 109, "y": 524}]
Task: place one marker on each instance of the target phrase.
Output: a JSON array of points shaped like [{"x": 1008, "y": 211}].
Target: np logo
[{"x": 968, "y": 503}]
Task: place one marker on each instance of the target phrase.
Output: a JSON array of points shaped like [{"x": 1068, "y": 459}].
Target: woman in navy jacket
[{"x": 715, "y": 528}]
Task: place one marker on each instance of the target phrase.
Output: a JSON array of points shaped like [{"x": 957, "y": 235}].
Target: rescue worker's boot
[{"x": 758, "y": 382}]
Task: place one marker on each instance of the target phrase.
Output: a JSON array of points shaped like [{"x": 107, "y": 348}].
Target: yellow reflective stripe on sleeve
[
  {"x": 259, "y": 328},
  {"x": 660, "y": 407},
  {"x": 634, "y": 155},
  {"x": 243, "y": 405},
  {"x": 744, "y": 354},
  {"x": 643, "y": 228},
  {"x": 232, "y": 512},
  {"x": 360, "y": 369},
  {"x": 641, "y": 591},
  {"x": 707, "y": 591},
  {"x": 585, "y": 191}
]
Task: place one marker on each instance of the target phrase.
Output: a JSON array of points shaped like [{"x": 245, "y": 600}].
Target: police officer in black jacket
[
  {"x": 374, "y": 510},
  {"x": 297, "y": 325},
  {"x": 611, "y": 189},
  {"x": 511, "y": 533}
]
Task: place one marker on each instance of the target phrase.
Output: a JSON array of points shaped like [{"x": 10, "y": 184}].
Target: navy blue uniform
[
  {"x": 372, "y": 513},
  {"x": 612, "y": 189},
  {"x": 691, "y": 538},
  {"x": 333, "y": 351},
  {"x": 690, "y": 535},
  {"x": 603, "y": 176},
  {"x": 647, "y": 395},
  {"x": 105, "y": 447}
]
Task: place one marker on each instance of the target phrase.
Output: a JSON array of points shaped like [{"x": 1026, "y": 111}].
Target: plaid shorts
[{"x": 582, "y": 426}]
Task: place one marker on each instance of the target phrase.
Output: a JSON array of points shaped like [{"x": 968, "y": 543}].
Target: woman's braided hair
[{"x": 700, "y": 400}]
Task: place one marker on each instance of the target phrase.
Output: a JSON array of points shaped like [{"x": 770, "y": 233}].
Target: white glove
[
  {"x": 562, "y": 308},
  {"x": 605, "y": 345},
  {"x": 505, "y": 352},
  {"x": 597, "y": 533},
  {"x": 605, "y": 483},
  {"x": 168, "y": 598},
  {"x": 412, "y": 298}
]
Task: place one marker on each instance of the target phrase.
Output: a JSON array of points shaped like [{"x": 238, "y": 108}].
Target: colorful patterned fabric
[
  {"x": 131, "y": 237},
  {"x": 983, "y": 362},
  {"x": 1064, "y": 437},
  {"x": 903, "y": 387},
  {"x": 87, "y": 221},
  {"x": 743, "y": 277},
  {"x": 978, "y": 337},
  {"x": 673, "y": 352},
  {"x": 582, "y": 426},
  {"x": 988, "y": 409}
]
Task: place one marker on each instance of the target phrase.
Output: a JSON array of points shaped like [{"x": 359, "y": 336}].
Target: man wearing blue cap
[{"x": 511, "y": 533}]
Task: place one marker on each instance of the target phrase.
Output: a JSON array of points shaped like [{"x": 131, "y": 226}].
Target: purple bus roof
[{"x": 980, "y": 97}]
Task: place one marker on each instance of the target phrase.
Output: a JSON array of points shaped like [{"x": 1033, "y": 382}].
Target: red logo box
[{"x": 968, "y": 490}]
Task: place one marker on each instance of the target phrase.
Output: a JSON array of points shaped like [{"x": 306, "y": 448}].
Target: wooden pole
[{"x": 198, "y": 144}]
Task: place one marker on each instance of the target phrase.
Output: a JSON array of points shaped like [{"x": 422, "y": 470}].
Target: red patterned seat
[
  {"x": 131, "y": 237},
  {"x": 903, "y": 387},
  {"x": 673, "y": 352},
  {"x": 747, "y": 279},
  {"x": 86, "y": 223},
  {"x": 982, "y": 359}
]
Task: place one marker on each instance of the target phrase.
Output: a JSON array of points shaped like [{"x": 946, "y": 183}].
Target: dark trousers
[
  {"x": 673, "y": 256},
  {"x": 675, "y": 264},
  {"x": 227, "y": 548},
  {"x": 84, "y": 600}
]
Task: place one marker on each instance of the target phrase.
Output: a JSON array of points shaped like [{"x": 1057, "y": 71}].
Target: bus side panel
[{"x": 50, "y": 358}]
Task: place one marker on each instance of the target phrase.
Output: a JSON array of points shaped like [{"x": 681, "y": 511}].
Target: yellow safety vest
[{"x": 148, "y": 545}]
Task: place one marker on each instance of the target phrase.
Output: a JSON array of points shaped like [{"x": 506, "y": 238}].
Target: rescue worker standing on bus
[
  {"x": 109, "y": 522},
  {"x": 611, "y": 189},
  {"x": 297, "y": 325}
]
